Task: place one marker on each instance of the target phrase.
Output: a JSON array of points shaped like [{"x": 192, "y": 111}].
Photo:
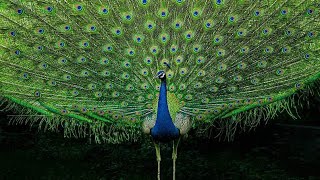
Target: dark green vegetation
[{"x": 269, "y": 152}]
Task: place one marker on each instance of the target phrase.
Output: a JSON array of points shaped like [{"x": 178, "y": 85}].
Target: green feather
[{"x": 95, "y": 62}]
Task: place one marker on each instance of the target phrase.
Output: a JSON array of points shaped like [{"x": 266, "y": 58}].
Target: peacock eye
[{"x": 160, "y": 73}]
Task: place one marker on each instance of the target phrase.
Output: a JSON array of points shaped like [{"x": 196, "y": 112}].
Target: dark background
[{"x": 282, "y": 149}]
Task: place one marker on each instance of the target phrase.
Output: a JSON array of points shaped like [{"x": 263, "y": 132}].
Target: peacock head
[{"x": 161, "y": 75}]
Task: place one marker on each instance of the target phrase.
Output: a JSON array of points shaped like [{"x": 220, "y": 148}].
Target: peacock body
[{"x": 89, "y": 67}]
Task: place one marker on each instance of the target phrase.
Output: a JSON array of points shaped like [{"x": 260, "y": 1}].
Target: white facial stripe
[{"x": 162, "y": 75}]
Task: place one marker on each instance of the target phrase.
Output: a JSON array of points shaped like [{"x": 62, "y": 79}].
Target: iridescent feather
[{"x": 89, "y": 66}]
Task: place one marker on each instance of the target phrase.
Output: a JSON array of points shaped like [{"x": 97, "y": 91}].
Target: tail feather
[{"x": 96, "y": 61}]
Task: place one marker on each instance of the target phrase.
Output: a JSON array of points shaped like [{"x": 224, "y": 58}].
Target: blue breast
[{"x": 164, "y": 129}]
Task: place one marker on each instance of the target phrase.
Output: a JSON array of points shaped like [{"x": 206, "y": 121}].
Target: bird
[{"x": 118, "y": 71}]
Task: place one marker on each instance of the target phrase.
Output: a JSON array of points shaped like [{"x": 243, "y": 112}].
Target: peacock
[{"x": 118, "y": 71}]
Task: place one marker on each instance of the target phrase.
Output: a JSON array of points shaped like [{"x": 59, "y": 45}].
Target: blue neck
[{"x": 164, "y": 129}]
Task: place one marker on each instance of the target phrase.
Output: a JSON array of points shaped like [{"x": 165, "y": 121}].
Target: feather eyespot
[
  {"x": 79, "y": 7},
  {"x": 49, "y": 9},
  {"x": 12, "y": 33},
  {"x": 17, "y": 52},
  {"x": 20, "y": 11},
  {"x": 37, "y": 94},
  {"x": 40, "y": 31},
  {"x": 219, "y": 2}
]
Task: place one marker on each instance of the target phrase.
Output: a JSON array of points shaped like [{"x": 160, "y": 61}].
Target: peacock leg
[
  {"x": 174, "y": 156},
  {"x": 157, "y": 146}
]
